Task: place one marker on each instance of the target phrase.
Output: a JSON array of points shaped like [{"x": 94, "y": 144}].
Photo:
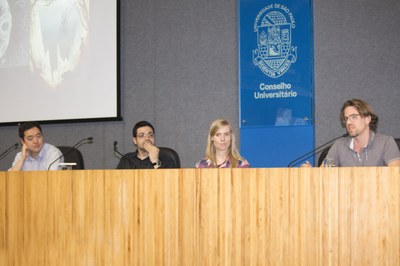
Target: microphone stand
[
  {"x": 69, "y": 150},
  {"x": 123, "y": 156},
  {"x": 13, "y": 147},
  {"x": 314, "y": 151}
]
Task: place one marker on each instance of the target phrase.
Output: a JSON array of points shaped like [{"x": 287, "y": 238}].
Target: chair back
[
  {"x": 72, "y": 155},
  {"x": 397, "y": 142},
  {"x": 171, "y": 154},
  {"x": 323, "y": 155}
]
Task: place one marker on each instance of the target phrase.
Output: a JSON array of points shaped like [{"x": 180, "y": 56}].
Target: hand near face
[
  {"x": 152, "y": 150},
  {"x": 24, "y": 151}
]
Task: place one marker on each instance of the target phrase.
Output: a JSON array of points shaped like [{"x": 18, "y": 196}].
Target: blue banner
[
  {"x": 276, "y": 63},
  {"x": 276, "y": 81}
]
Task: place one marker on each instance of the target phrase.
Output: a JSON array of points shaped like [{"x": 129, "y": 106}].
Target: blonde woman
[{"x": 221, "y": 151}]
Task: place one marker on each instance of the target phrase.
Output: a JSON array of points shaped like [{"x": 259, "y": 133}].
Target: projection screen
[{"x": 59, "y": 60}]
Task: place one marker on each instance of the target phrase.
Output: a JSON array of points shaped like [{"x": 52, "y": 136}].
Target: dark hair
[
  {"x": 139, "y": 125},
  {"x": 26, "y": 126},
  {"x": 364, "y": 109}
]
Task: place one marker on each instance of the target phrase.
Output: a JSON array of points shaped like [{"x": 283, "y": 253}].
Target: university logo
[{"x": 275, "y": 53}]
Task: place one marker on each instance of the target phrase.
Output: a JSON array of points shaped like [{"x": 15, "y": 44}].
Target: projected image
[
  {"x": 58, "y": 32},
  {"x": 59, "y": 60},
  {"x": 5, "y": 26}
]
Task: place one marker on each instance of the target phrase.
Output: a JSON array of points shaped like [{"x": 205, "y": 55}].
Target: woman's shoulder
[
  {"x": 204, "y": 163},
  {"x": 201, "y": 164}
]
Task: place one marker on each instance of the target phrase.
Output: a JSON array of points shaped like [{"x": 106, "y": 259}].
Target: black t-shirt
[{"x": 135, "y": 162}]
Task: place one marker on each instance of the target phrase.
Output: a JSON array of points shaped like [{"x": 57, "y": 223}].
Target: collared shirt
[
  {"x": 206, "y": 163},
  {"x": 47, "y": 155},
  {"x": 379, "y": 151}
]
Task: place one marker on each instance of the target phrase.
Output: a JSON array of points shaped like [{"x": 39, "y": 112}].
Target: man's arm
[
  {"x": 154, "y": 153},
  {"x": 18, "y": 165},
  {"x": 391, "y": 153},
  {"x": 19, "y": 162},
  {"x": 394, "y": 163}
]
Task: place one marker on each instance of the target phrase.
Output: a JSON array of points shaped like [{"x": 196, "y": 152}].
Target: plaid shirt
[{"x": 205, "y": 163}]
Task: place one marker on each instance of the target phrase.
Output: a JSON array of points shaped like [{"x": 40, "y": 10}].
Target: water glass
[{"x": 329, "y": 162}]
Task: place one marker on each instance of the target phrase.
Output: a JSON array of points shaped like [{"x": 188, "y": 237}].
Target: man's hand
[
  {"x": 153, "y": 151},
  {"x": 21, "y": 161},
  {"x": 24, "y": 151},
  {"x": 306, "y": 164}
]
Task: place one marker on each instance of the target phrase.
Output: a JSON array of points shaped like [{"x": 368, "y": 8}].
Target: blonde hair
[{"x": 233, "y": 152}]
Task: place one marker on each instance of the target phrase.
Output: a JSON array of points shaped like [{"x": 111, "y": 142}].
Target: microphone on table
[
  {"x": 13, "y": 147},
  {"x": 70, "y": 149},
  {"x": 123, "y": 156},
  {"x": 314, "y": 151}
]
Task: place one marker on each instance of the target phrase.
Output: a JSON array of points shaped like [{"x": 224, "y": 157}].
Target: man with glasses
[
  {"x": 363, "y": 146},
  {"x": 147, "y": 155},
  {"x": 35, "y": 154}
]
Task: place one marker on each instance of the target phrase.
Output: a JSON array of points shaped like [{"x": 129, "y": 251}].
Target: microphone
[
  {"x": 123, "y": 156},
  {"x": 314, "y": 151},
  {"x": 13, "y": 147},
  {"x": 68, "y": 151}
]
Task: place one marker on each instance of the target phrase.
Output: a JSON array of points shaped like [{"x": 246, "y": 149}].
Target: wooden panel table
[{"x": 277, "y": 216}]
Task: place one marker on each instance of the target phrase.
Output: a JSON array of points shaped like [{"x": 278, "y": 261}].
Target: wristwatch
[{"x": 157, "y": 164}]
